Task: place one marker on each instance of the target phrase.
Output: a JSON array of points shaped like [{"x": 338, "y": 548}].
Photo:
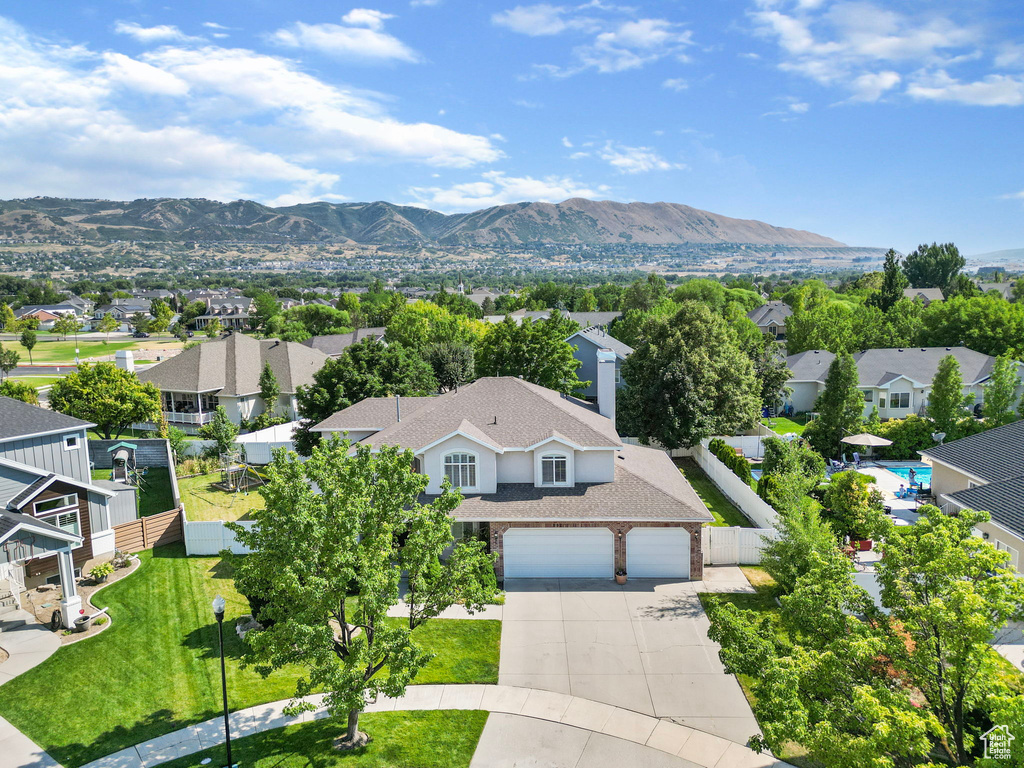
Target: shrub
[
  {"x": 728, "y": 456},
  {"x": 101, "y": 571}
]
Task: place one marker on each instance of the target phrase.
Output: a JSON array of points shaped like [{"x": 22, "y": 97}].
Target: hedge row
[{"x": 728, "y": 456}]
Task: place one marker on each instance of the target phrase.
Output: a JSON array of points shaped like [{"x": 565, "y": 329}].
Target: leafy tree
[
  {"x": 802, "y": 532},
  {"x": 644, "y": 294},
  {"x": 770, "y": 368},
  {"x": 64, "y": 325},
  {"x": 28, "y": 341},
  {"x": 783, "y": 457},
  {"x": 140, "y": 322},
  {"x": 8, "y": 361},
  {"x": 457, "y": 304},
  {"x": 964, "y": 286},
  {"x": 840, "y": 407},
  {"x": 7, "y": 320},
  {"x": 193, "y": 310},
  {"x": 162, "y": 314},
  {"x": 453, "y": 364},
  {"x": 214, "y": 328},
  {"x": 19, "y": 390},
  {"x": 535, "y": 350},
  {"x": 363, "y": 370},
  {"x": 894, "y": 281},
  {"x": 985, "y": 324},
  {"x": 264, "y": 306},
  {"x": 378, "y": 305},
  {"x": 948, "y": 592},
  {"x": 587, "y": 302},
  {"x": 688, "y": 380},
  {"x": 107, "y": 324},
  {"x": 1001, "y": 392},
  {"x": 908, "y": 436},
  {"x": 319, "y": 319},
  {"x": 270, "y": 390},
  {"x": 326, "y": 594},
  {"x": 111, "y": 398},
  {"x": 933, "y": 266},
  {"x": 221, "y": 430},
  {"x": 1017, "y": 293},
  {"x": 487, "y": 306},
  {"x": 422, "y": 323},
  {"x": 946, "y": 401},
  {"x": 852, "y": 506}
]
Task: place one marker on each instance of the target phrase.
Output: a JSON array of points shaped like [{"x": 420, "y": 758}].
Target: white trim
[
  {"x": 47, "y": 433},
  {"x": 555, "y": 438},
  {"x": 76, "y": 446},
  {"x": 460, "y": 433},
  {"x": 58, "y": 534},
  {"x": 346, "y": 429},
  {"x": 63, "y": 478},
  {"x": 55, "y": 510},
  {"x": 567, "y": 483}
]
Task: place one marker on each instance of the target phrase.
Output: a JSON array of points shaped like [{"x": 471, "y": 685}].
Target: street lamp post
[{"x": 218, "y": 611}]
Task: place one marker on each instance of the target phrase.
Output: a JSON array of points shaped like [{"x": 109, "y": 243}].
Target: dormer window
[
  {"x": 554, "y": 470},
  {"x": 460, "y": 469}
]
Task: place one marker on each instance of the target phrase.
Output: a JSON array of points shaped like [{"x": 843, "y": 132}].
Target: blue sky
[{"x": 882, "y": 124}]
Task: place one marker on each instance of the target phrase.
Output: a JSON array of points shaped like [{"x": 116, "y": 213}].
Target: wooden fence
[{"x": 148, "y": 532}]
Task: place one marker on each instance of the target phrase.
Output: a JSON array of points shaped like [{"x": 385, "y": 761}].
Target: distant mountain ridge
[{"x": 572, "y": 222}]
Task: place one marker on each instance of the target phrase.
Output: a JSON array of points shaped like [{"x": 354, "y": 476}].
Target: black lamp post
[{"x": 218, "y": 611}]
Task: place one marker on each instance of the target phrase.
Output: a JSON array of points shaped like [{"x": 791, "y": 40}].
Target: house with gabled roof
[
  {"x": 924, "y": 295},
  {"x": 334, "y": 344},
  {"x": 544, "y": 477},
  {"x": 897, "y": 381},
  {"x": 770, "y": 318},
  {"x": 986, "y": 472},
  {"x": 587, "y": 345},
  {"x": 227, "y": 372},
  {"x": 55, "y": 520}
]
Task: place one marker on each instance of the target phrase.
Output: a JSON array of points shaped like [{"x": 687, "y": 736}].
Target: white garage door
[
  {"x": 535, "y": 553},
  {"x": 658, "y": 553}
]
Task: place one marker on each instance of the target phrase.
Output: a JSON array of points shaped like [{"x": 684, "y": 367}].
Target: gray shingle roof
[
  {"x": 995, "y": 454},
  {"x": 18, "y": 419},
  {"x": 773, "y": 312},
  {"x": 510, "y": 412},
  {"x": 590, "y": 319},
  {"x": 337, "y": 343},
  {"x": 927, "y": 295},
  {"x": 232, "y": 366},
  {"x": 647, "y": 486},
  {"x": 1004, "y": 500},
  {"x": 876, "y": 367},
  {"x": 373, "y": 413},
  {"x": 604, "y": 340},
  {"x": 9, "y": 521}
]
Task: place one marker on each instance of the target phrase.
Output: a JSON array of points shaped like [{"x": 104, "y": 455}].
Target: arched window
[
  {"x": 460, "y": 469},
  {"x": 554, "y": 470}
]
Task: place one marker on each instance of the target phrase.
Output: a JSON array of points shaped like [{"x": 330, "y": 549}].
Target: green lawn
[
  {"x": 724, "y": 511},
  {"x": 204, "y": 502},
  {"x": 156, "y": 495},
  {"x": 782, "y": 425},
  {"x": 129, "y": 433},
  {"x": 156, "y": 669},
  {"x": 437, "y": 739},
  {"x": 51, "y": 350},
  {"x": 35, "y": 381}
]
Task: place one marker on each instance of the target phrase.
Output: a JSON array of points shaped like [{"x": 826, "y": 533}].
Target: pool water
[{"x": 922, "y": 474}]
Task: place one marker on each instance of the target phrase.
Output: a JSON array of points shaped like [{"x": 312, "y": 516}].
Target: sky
[{"x": 879, "y": 124}]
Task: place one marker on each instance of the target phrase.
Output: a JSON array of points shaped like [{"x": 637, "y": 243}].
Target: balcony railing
[{"x": 176, "y": 417}]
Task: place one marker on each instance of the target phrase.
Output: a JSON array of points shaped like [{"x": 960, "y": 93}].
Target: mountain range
[{"x": 573, "y": 222}]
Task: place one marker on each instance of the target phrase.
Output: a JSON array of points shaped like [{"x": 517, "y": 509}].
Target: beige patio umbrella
[{"x": 866, "y": 439}]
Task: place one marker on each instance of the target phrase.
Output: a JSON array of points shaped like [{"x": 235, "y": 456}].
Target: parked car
[{"x": 140, "y": 335}]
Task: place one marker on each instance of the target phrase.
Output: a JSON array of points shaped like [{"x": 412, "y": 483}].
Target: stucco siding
[
  {"x": 595, "y": 466},
  {"x": 515, "y": 467},
  {"x": 803, "y": 396},
  {"x": 486, "y": 469},
  {"x": 1003, "y": 539},
  {"x": 947, "y": 480}
]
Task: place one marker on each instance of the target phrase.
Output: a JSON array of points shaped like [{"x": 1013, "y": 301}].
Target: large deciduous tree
[
  {"x": 107, "y": 324},
  {"x": 688, "y": 379},
  {"x": 110, "y": 397},
  {"x": 366, "y": 369},
  {"x": 894, "y": 281},
  {"x": 327, "y": 557},
  {"x": 933, "y": 266},
  {"x": 946, "y": 401},
  {"x": 453, "y": 364},
  {"x": 840, "y": 407},
  {"x": 1001, "y": 392},
  {"x": 537, "y": 351}
]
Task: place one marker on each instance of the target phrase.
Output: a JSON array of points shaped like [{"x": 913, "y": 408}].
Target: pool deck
[{"x": 889, "y": 483}]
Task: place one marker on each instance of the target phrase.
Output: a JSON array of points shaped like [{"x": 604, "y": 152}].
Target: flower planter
[
  {"x": 82, "y": 623},
  {"x": 865, "y": 545},
  {"x": 620, "y": 578}
]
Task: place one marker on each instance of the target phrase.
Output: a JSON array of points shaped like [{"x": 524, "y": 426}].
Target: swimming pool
[{"x": 922, "y": 473}]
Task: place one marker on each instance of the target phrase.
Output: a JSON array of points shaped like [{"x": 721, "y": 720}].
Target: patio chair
[{"x": 856, "y": 459}]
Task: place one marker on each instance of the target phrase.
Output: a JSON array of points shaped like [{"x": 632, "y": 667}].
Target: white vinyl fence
[
  {"x": 210, "y": 538},
  {"x": 734, "y": 546},
  {"x": 739, "y": 493}
]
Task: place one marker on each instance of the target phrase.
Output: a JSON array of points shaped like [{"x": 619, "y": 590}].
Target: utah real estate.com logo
[{"x": 997, "y": 742}]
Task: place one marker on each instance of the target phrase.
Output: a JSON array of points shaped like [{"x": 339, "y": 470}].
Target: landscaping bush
[
  {"x": 198, "y": 465},
  {"x": 783, "y": 457},
  {"x": 908, "y": 436},
  {"x": 728, "y": 456}
]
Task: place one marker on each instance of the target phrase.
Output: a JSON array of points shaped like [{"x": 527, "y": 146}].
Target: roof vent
[
  {"x": 948, "y": 349},
  {"x": 900, "y": 349},
  {"x": 923, "y": 349}
]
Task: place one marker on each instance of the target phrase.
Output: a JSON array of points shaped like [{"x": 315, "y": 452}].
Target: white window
[
  {"x": 70, "y": 442},
  {"x": 59, "y": 502},
  {"x": 618, "y": 375},
  {"x": 68, "y": 521},
  {"x": 460, "y": 469},
  {"x": 1014, "y": 554},
  {"x": 554, "y": 470},
  {"x": 899, "y": 400},
  {"x": 881, "y": 402}
]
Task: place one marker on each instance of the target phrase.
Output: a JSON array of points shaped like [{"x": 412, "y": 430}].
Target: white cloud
[
  {"x": 215, "y": 25},
  {"x": 991, "y": 91},
  {"x": 362, "y": 40},
  {"x": 799, "y": 107},
  {"x": 631, "y": 160},
  {"x": 871, "y": 85},
  {"x": 139, "y": 76},
  {"x": 615, "y": 44},
  {"x": 424, "y": 3},
  {"x": 161, "y": 33},
  {"x": 495, "y": 188},
  {"x": 566, "y": 142},
  {"x": 1014, "y": 196},
  {"x": 676, "y": 84}
]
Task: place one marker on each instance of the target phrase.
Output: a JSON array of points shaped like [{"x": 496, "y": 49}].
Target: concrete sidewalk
[
  {"x": 18, "y": 751},
  {"x": 27, "y": 641}
]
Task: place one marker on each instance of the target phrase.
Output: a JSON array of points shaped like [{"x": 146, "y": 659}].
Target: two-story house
[
  {"x": 55, "y": 520},
  {"x": 985, "y": 471},
  {"x": 770, "y": 318},
  {"x": 587, "y": 346},
  {"x": 545, "y": 478},
  {"x": 897, "y": 381},
  {"x": 232, "y": 312},
  {"x": 227, "y": 372}
]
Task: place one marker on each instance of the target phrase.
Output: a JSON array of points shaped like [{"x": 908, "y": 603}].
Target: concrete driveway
[{"x": 642, "y": 646}]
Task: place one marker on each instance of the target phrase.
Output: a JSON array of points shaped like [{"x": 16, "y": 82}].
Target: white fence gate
[
  {"x": 734, "y": 546},
  {"x": 210, "y": 538}
]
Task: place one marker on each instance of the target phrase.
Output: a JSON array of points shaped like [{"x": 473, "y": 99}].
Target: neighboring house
[
  {"x": 45, "y": 317},
  {"x": 47, "y": 312},
  {"x": 156, "y": 293},
  {"x": 232, "y": 312},
  {"x": 588, "y": 343},
  {"x": 227, "y": 372},
  {"x": 770, "y": 318},
  {"x": 925, "y": 295},
  {"x": 545, "y": 478},
  {"x": 1004, "y": 289},
  {"x": 124, "y": 309},
  {"x": 334, "y": 344},
  {"x": 898, "y": 381},
  {"x": 594, "y": 319},
  {"x": 986, "y": 472},
  {"x": 83, "y": 307},
  {"x": 55, "y": 521}
]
